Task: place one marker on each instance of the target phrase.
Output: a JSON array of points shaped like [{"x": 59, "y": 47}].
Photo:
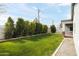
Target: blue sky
[{"x": 49, "y": 12}]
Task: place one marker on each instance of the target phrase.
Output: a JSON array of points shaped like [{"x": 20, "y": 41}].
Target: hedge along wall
[{"x": 23, "y": 28}]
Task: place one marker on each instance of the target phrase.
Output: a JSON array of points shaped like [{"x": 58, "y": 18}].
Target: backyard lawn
[{"x": 42, "y": 45}]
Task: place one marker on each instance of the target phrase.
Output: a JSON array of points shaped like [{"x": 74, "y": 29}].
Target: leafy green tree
[
  {"x": 38, "y": 28},
  {"x": 32, "y": 28},
  {"x": 23, "y": 28},
  {"x": 53, "y": 28},
  {"x": 14, "y": 35},
  {"x": 44, "y": 29},
  {"x": 26, "y": 28},
  {"x": 20, "y": 25},
  {"x": 9, "y": 28}
]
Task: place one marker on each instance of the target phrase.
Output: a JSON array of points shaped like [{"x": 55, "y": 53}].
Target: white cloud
[
  {"x": 28, "y": 11},
  {"x": 43, "y": 16},
  {"x": 25, "y": 9},
  {"x": 34, "y": 8},
  {"x": 4, "y": 17},
  {"x": 2, "y": 8},
  {"x": 58, "y": 4},
  {"x": 65, "y": 4},
  {"x": 69, "y": 16},
  {"x": 22, "y": 8}
]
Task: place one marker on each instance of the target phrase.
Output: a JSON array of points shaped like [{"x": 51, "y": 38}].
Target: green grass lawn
[{"x": 42, "y": 45}]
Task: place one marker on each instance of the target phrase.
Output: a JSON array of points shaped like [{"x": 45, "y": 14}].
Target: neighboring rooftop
[{"x": 66, "y": 20}]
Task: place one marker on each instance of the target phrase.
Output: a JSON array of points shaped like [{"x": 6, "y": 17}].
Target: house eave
[{"x": 66, "y": 20}]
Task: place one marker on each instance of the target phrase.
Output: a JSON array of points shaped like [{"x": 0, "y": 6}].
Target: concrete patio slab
[{"x": 67, "y": 48}]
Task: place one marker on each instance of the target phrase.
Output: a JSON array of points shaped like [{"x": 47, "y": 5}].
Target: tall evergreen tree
[
  {"x": 9, "y": 28},
  {"x": 20, "y": 24},
  {"x": 32, "y": 28},
  {"x": 44, "y": 29},
  {"x": 26, "y": 28},
  {"x": 53, "y": 28}
]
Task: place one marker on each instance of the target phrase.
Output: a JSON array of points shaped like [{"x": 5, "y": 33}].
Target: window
[{"x": 71, "y": 28}]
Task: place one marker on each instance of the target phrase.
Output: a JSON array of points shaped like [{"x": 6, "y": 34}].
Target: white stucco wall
[
  {"x": 76, "y": 27},
  {"x": 1, "y": 33},
  {"x": 67, "y": 28}
]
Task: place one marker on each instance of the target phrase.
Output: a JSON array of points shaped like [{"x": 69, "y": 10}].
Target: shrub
[{"x": 53, "y": 29}]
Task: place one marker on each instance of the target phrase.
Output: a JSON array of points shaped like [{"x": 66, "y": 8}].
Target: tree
[
  {"x": 44, "y": 29},
  {"x": 38, "y": 29},
  {"x": 14, "y": 35},
  {"x": 20, "y": 24},
  {"x": 23, "y": 28},
  {"x": 26, "y": 28},
  {"x": 38, "y": 26},
  {"x": 9, "y": 28},
  {"x": 32, "y": 27},
  {"x": 53, "y": 28}
]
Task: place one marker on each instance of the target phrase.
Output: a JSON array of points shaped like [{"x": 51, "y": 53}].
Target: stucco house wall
[
  {"x": 64, "y": 28},
  {"x": 1, "y": 33},
  {"x": 67, "y": 28},
  {"x": 76, "y": 27}
]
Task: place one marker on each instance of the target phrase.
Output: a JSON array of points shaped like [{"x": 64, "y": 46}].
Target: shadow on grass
[
  {"x": 41, "y": 45},
  {"x": 32, "y": 38}
]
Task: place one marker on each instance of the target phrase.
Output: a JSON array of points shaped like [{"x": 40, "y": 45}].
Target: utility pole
[{"x": 38, "y": 14}]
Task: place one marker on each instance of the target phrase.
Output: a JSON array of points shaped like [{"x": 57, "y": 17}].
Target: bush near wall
[
  {"x": 23, "y": 28},
  {"x": 53, "y": 28}
]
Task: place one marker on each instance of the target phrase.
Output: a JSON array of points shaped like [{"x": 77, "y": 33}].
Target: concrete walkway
[{"x": 67, "y": 48}]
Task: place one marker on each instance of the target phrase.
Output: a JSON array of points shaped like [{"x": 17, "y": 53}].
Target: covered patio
[{"x": 67, "y": 28}]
